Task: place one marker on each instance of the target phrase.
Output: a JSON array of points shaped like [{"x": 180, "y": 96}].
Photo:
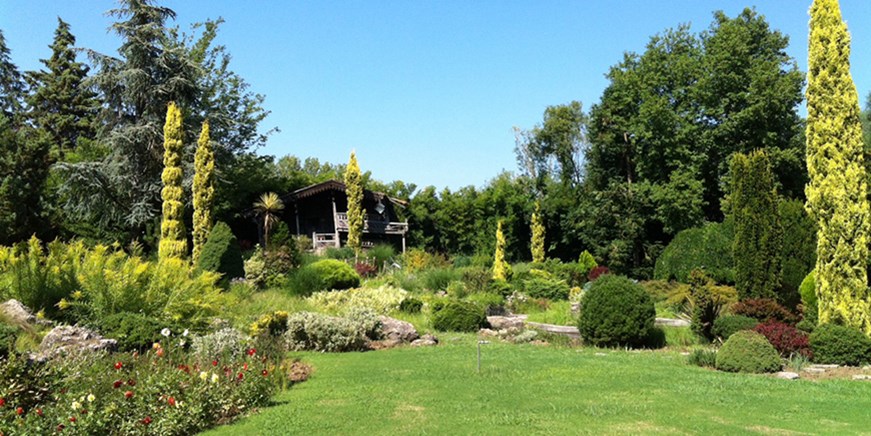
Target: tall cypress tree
[
  {"x": 501, "y": 269},
  {"x": 758, "y": 239},
  {"x": 836, "y": 194},
  {"x": 537, "y": 235},
  {"x": 61, "y": 103},
  {"x": 203, "y": 191},
  {"x": 173, "y": 242},
  {"x": 354, "y": 191}
]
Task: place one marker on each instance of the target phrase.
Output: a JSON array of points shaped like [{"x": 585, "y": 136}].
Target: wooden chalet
[{"x": 320, "y": 211}]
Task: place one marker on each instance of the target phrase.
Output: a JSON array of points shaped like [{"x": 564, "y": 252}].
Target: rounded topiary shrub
[
  {"x": 835, "y": 344},
  {"x": 335, "y": 274},
  {"x": 615, "y": 312},
  {"x": 725, "y": 326},
  {"x": 410, "y": 305},
  {"x": 708, "y": 247},
  {"x": 748, "y": 351},
  {"x": 458, "y": 316},
  {"x": 222, "y": 254}
]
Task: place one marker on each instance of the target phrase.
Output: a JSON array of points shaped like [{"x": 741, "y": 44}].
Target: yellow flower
[
  {"x": 215, "y": 378},
  {"x": 91, "y": 398},
  {"x": 77, "y": 405},
  {"x": 40, "y": 314},
  {"x": 78, "y": 295},
  {"x": 156, "y": 345},
  {"x": 63, "y": 304},
  {"x": 204, "y": 375}
]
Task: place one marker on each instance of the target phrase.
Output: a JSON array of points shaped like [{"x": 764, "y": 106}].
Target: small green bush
[
  {"x": 708, "y": 248},
  {"x": 410, "y": 305},
  {"x": 8, "y": 335},
  {"x": 335, "y": 274},
  {"x": 476, "y": 279},
  {"x": 703, "y": 357},
  {"x": 550, "y": 288},
  {"x": 493, "y": 303},
  {"x": 437, "y": 279},
  {"x": 500, "y": 287},
  {"x": 458, "y": 316},
  {"x": 835, "y": 344},
  {"x": 725, "y": 326},
  {"x": 808, "y": 290},
  {"x": 134, "y": 331},
  {"x": 381, "y": 253},
  {"x": 272, "y": 324},
  {"x": 222, "y": 344},
  {"x": 616, "y": 312},
  {"x": 318, "y": 332},
  {"x": 748, "y": 351},
  {"x": 222, "y": 254},
  {"x": 305, "y": 281},
  {"x": 343, "y": 253}
]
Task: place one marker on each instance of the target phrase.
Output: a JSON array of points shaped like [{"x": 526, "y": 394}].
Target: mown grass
[{"x": 533, "y": 389}]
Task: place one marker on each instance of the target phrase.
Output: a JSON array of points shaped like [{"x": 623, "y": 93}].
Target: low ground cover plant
[{"x": 319, "y": 332}]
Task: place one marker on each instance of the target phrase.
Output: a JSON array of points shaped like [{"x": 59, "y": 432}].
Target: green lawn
[{"x": 533, "y": 389}]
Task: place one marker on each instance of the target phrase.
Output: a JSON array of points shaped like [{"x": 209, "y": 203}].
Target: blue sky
[{"x": 424, "y": 91}]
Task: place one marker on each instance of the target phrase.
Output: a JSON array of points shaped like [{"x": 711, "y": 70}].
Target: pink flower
[
  {"x": 146, "y": 421},
  {"x": 128, "y": 394},
  {"x": 19, "y": 411}
]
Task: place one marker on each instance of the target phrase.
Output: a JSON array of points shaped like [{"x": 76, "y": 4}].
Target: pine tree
[
  {"x": 354, "y": 191},
  {"x": 501, "y": 269},
  {"x": 11, "y": 85},
  {"x": 61, "y": 103},
  {"x": 758, "y": 239},
  {"x": 203, "y": 191},
  {"x": 173, "y": 241},
  {"x": 836, "y": 193},
  {"x": 537, "y": 235}
]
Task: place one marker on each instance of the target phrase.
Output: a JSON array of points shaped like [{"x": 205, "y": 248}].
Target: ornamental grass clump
[
  {"x": 748, "y": 351},
  {"x": 616, "y": 312}
]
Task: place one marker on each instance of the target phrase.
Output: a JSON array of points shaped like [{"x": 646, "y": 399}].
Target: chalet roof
[{"x": 337, "y": 186}]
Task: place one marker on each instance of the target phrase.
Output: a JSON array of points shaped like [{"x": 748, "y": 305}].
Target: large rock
[
  {"x": 72, "y": 339},
  {"x": 510, "y": 323},
  {"x": 397, "y": 330},
  {"x": 425, "y": 341},
  {"x": 787, "y": 375},
  {"x": 17, "y": 312}
]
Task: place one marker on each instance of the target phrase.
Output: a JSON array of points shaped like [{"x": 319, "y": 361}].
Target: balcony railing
[{"x": 373, "y": 224}]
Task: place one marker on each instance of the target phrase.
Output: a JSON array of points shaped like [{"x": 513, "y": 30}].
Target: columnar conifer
[
  {"x": 758, "y": 239},
  {"x": 354, "y": 191},
  {"x": 836, "y": 193},
  {"x": 500, "y": 266},
  {"x": 173, "y": 243},
  {"x": 203, "y": 191},
  {"x": 537, "y": 235}
]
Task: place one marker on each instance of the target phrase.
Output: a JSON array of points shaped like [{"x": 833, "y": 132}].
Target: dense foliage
[
  {"x": 786, "y": 339},
  {"x": 840, "y": 345},
  {"x": 354, "y": 191},
  {"x": 458, "y": 316},
  {"x": 726, "y": 325},
  {"x": 221, "y": 254},
  {"x": 748, "y": 351},
  {"x": 173, "y": 240},
  {"x": 616, "y": 312},
  {"x": 708, "y": 248},
  {"x": 203, "y": 192}
]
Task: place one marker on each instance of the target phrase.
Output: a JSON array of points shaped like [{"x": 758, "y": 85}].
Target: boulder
[
  {"x": 72, "y": 339},
  {"x": 786, "y": 375},
  {"x": 397, "y": 330},
  {"x": 17, "y": 313},
  {"x": 426, "y": 340},
  {"x": 487, "y": 332},
  {"x": 506, "y": 322}
]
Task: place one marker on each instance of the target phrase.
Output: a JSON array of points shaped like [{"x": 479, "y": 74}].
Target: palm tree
[{"x": 268, "y": 207}]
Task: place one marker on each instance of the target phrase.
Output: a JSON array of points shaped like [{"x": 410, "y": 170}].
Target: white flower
[
  {"x": 91, "y": 398},
  {"x": 185, "y": 332},
  {"x": 166, "y": 332},
  {"x": 215, "y": 378},
  {"x": 77, "y": 405},
  {"x": 204, "y": 375}
]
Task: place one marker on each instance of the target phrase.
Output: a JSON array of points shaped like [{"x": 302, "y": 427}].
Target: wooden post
[
  {"x": 336, "y": 222},
  {"x": 296, "y": 215}
]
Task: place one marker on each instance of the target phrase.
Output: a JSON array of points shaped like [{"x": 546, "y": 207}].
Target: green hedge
[
  {"x": 835, "y": 344},
  {"x": 708, "y": 248}
]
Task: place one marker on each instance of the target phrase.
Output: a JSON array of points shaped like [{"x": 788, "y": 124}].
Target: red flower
[
  {"x": 72, "y": 419},
  {"x": 60, "y": 427},
  {"x": 245, "y": 366},
  {"x": 19, "y": 411},
  {"x": 2, "y": 402},
  {"x": 146, "y": 421},
  {"x": 118, "y": 365},
  {"x": 265, "y": 373},
  {"x": 241, "y": 376},
  {"x": 117, "y": 384},
  {"x": 251, "y": 351},
  {"x": 171, "y": 401},
  {"x": 214, "y": 363},
  {"x": 39, "y": 412},
  {"x": 131, "y": 382},
  {"x": 160, "y": 352},
  {"x": 128, "y": 394}
]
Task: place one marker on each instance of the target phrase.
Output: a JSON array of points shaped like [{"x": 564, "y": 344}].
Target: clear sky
[{"x": 426, "y": 91}]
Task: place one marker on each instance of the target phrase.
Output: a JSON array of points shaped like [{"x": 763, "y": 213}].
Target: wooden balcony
[{"x": 372, "y": 224}]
